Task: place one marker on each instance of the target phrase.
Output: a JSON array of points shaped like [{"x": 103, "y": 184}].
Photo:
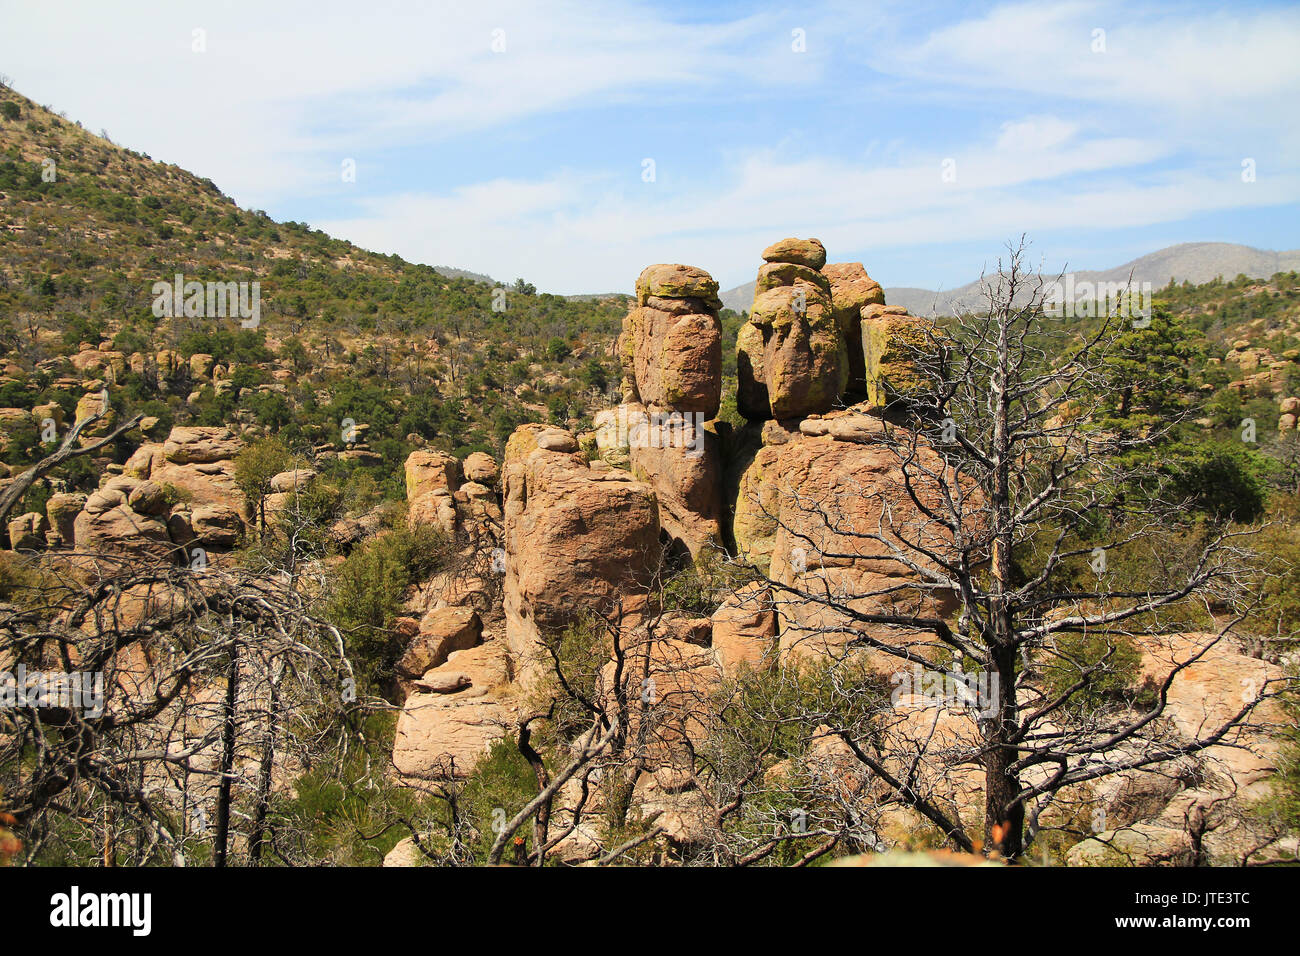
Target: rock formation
[
  {"x": 817, "y": 332},
  {"x": 578, "y": 538},
  {"x": 671, "y": 350}
]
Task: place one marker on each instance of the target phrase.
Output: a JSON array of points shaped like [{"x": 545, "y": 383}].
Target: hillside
[{"x": 423, "y": 355}]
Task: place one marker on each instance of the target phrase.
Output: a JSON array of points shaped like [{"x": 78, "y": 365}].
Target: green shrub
[{"x": 367, "y": 590}]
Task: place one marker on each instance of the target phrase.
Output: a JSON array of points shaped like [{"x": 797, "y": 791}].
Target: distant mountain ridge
[{"x": 1194, "y": 262}]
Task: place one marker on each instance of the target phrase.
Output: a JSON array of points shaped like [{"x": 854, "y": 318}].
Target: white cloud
[
  {"x": 586, "y": 233},
  {"x": 280, "y": 84},
  {"x": 1179, "y": 58}
]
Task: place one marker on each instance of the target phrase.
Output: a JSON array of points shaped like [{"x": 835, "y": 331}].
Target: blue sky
[{"x": 834, "y": 120}]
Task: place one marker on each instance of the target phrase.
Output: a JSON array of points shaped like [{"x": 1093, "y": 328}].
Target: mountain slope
[{"x": 440, "y": 355}]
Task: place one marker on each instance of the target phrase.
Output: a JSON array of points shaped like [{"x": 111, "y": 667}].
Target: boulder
[
  {"x": 216, "y": 525},
  {"x": 806, "y": 511},
  {"x": 1140, "y": 844},
  {"x": 680, "y": 457},
  {"x": 673, "y": 680},
  {"x": 893, "y": 341},
  {"x": 62, "y": 510},
  {"x": 27, "y": 532},
  {"x": 675, "y": 281},
  {"x": 852, "y": 290},
  {"x": 296, "y": 479},
  {"x": 803, "y": 252},
  {"x": 148, "y": 498},
  {"x": 200, "y": 445},
  {"x": 441, "y": 632},
  {"x": 90, "y": 405},
  {"x": 576, "y": 539},
  {"x": 118, "y": 530},
  {"x": 481, "y": 468},
  {"x": 428, "y": 471},
  {"x": 442, "y": 734}
]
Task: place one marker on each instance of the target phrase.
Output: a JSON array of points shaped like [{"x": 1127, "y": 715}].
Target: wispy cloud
[{"x": 507, "y": 137}]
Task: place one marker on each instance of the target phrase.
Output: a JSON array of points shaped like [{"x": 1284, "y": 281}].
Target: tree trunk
[
  {"x": 1004, "y": 818},
  {"x": 227, "y": 760}
]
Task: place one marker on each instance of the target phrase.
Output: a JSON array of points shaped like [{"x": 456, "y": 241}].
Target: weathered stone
[
  {"x": 744, "y": 631},
  {"x": 794, "y": 344},
  {"x": 27, "y": 532},
  {"x": 892, "y": 343},
  {"x": 296, "y": 479},
  {"x": 148, "y": 498},
  {"x": 216, "y": 525},
  {"x": 673, "y": 361},
  {"x": 852, "y": 290},
  {"x": 441, "y": 734},
  {"x": 480, "y": 467},
  {"x": 441, "y": 632},
  {"x": 200, "y": 445},
  {"x": 804, "y": 252},
  {"x": 576, "y": 539},
  {"x": 674, "y": 281},
  {"x": 428, "y": 471}
]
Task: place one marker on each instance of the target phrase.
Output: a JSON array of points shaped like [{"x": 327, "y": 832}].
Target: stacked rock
[
  {"x": 671, "y": 351},
  {"x": 819, "y": 331},
  {"x": 671, "y": 347},
  {"x": 792, "y": 358}
]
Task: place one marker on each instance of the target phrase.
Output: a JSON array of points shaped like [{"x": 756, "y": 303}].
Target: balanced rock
[
  {"x": 481, "y": 468},
  {"x": 803, "y": 252},
  {"x": 671, "y": 345},
  {"x": 441, "y": 632},
  {"x": 442, "y": 733},
  {"x": 675, "y": 281}
]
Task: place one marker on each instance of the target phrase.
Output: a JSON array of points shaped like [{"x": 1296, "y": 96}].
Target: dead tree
[{"x": 1006, "y": 481}]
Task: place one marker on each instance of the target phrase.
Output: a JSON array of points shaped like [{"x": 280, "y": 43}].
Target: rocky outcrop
[
  {"x": 671, "y": 346},
  {"x": 671, "y": 350},
  {"x": 464, "y": 706},
  {"x": 792, "y": 358},
  {"x": 852, "y": 290},
  {"x": 62, "y": 510},
  {"x": 577, "y": 538},
  {"x": 808, "y": 512},
  {"x": 677, "y": 454},
  {"x": 432, "y": 478},
  {"x": 170, "y": 495}
]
